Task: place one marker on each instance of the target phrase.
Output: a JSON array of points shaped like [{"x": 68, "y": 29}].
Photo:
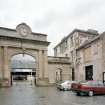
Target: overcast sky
[
  {"x": 56, "y": 18},
  {"x": 21, "y": 57}
]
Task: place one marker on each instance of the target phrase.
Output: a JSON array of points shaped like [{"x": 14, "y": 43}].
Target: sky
[
  {"x": 21, "y": 57},
  {"x": 56, "y": 18}
]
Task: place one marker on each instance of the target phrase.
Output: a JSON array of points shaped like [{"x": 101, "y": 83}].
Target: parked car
[
  {"x": 88, "y": 88},
  {"x": 66, "y": 85}
]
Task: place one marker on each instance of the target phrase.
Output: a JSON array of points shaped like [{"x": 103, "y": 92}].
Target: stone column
[
  {"x": 1, "y": 63},
  {"x": 42, "y": 80},
  {"x": 4, "y": 66},
  {"x": 45, "y": 63},
  {"x": 40, "y": 62},
  {"x": 6, "y": 73}
]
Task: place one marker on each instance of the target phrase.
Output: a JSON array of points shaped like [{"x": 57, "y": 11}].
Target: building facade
[
  {"x": 59, "y": 69},
  {"x": 68, "y": 45},
  {"x": 23, "y": 41},
  {"x": 91, "y": 59}
]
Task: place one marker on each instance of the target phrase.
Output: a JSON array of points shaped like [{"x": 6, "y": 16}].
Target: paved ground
[{"x": 25, "y": 94}]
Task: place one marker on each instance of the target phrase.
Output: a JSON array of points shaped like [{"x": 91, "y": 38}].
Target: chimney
[{"x": 92, "y": 31}]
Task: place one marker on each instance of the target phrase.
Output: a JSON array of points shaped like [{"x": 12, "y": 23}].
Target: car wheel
[
  {"x": 78, "y": 94},
  {"x": 90, "y": 93},
  {"x": 60, "y": 89},
  {"x": 65, "y": 89},
  {"x": 81, "y": 93}
]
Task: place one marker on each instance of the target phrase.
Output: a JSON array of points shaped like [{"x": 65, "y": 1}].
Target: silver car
[{"x": 66, "y": 85}]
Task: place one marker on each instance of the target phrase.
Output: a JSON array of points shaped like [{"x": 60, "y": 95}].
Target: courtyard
[{"x": 25, "y": 93}]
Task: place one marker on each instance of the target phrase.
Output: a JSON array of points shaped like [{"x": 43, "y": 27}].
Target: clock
[{"x": 23, "y": 29}]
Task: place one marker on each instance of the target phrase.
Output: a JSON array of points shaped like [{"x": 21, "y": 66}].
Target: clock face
[{"x": 23, "y": 29}]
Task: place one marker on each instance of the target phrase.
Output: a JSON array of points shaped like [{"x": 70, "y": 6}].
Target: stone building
[
  {"x": 59, "y": 69},
  {"x": 91, "y": 59},
  {"x": 23, "y": 41},
  {"x": 68, "y": 45}
]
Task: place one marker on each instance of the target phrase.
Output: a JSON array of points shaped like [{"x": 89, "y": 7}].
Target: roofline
[
  {"x": 58, "y": 61},
  {"x": 89, "y": 42},
  {"x": 10, "y": 29},
  {"x": 58, "y": 57},
  {"x": 75, "y": 30},
  {"x": 51, "y": 62},
  {"x": 47, "y": 43}
]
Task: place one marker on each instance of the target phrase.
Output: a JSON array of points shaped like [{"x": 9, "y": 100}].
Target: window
[
  {"x": 66, "y": 55},
  {"x": 60, "y": 49},
  {"x": 76, "y": 42},
  {"x": 63, "y": 47},
  {"x": 55, "y": 52},
  {"x": 71, "y": 55},
  {"x": 66, "y": 45},
  {"x": 71, "y": 41}
]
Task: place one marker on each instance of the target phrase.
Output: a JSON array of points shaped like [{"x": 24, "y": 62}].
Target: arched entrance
[
  {"x": 23, "y": 68},
  {"x": 23, "y": 41}
]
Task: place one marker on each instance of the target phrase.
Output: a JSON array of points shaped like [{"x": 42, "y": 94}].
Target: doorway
[
  {"x": 89, "y": 72},
  {"x": 73, "y": 74},
  {"x": 103, "y": 78}
]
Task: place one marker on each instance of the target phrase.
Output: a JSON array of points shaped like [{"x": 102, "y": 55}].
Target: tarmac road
[{"x": 23, "y": 93}]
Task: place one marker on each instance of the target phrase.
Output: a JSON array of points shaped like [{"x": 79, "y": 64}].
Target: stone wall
[
  {"x": 59, "y": 69},
  {"x": 95, "y": 58}
]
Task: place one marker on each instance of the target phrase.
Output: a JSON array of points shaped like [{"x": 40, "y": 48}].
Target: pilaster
[
  {"x": 6, "y": 72},
  {"x": 45, "y": 63},
  {"x": 1, "y": 62},
  {"x": 40, "y": 62},
  {"x": 43, "y": 74}
]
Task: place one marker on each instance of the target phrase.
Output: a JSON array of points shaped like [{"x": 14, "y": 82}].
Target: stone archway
[
  {"x": 23, "y": 40},
  {"x": 33, "y": 53},
  {"x": 23, "y": 69}
]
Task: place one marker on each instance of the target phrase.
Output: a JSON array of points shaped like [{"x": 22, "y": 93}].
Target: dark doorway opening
[
  {"x": 73, "y": 74},
  {"x": 89, "y": 72},
  {"x": 103, "y": 77},
  {"x": 22, "y": 76}
]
